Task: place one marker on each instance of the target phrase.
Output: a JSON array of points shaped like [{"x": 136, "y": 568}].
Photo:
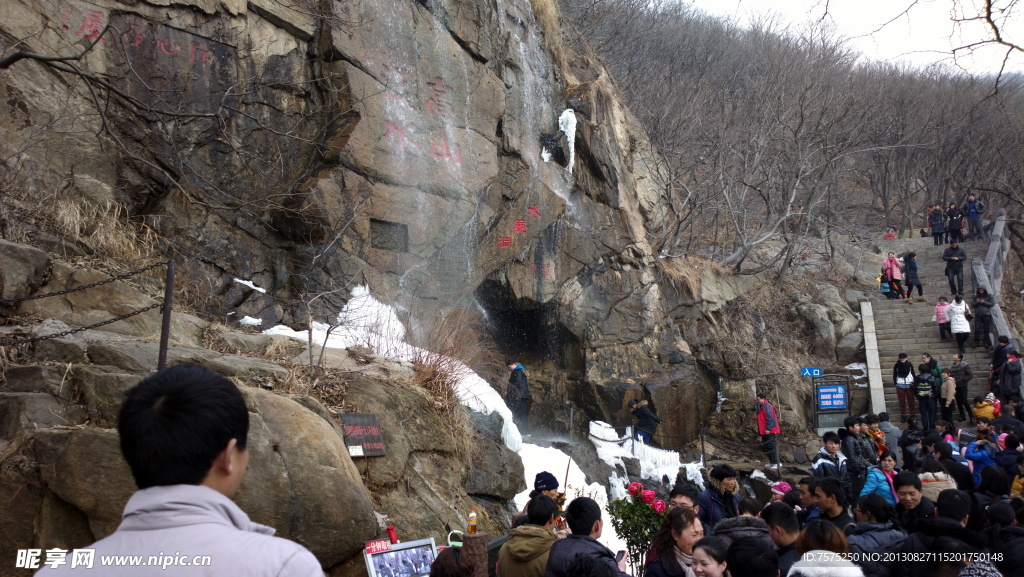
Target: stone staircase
[{"x": 907, "y": 328}]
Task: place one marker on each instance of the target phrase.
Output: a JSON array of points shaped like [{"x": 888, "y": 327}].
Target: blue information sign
[
  {"x": 831, "y": 397},
  {"x": 810, "y": 372}
]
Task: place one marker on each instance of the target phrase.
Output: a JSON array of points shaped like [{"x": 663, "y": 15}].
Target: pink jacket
[
  {"x": 892, "y": 266},
  {"x": 940, "y": 313}
]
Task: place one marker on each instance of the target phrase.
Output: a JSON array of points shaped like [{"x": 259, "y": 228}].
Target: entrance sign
[
  {"x": 362, "y": 435},
  {"x": 831, "y": 400},
  {"x": 810, "y": 372},
  {"x": 831, "y": 397}
]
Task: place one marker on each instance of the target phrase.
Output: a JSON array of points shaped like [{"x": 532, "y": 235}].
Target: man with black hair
[
  {"x": 745, "y": 524},
  {"x": 830, "y": 462},
  {"x": 183, "y": 433},
  {"x": 928, "y": 443},
  {"x": 583, "y": 516},
  {"x": 951, "y": 515},
  {"x": 684, "y": 496},
  {"x": 1007, "y": 458},
  {"x": 1016, "y": 408},
  {"x": 525, "y": 552},
  {"x": 856, "y": 462},
  {"x": 954, "y": 255},
  {"x": 808, "y": 501},
  {"x": 831, "y": 501},
  {"x": 783, "y": 529},
  {"x": 960, "y": 472},
  {"x": 750, "y": 557},
  {"x": 913, "y": 505}
]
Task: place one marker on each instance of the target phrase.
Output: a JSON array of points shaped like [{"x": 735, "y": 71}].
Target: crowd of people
[{"x": 859, "y": 514}]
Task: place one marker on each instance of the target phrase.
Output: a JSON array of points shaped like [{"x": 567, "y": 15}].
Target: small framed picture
[{"x": 410, "y": 559}]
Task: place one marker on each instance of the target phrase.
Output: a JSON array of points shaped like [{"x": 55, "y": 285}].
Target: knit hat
[
  {"x": 781, "y": 488},
  {"x": 545, "y": 481},
  {"x": 991, "y": 397},
  {"x": 722, "y": 472}
]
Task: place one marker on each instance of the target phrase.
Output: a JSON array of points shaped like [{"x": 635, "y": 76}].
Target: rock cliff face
[
  {"x": 309, "y": 145},
  {"x": 64, "y": 484}
]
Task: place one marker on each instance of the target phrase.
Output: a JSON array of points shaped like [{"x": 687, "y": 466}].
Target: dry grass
[
  {"x": 549, "y": 19},
  {"x": 448, "y": 348},
  {"x": 102, "y": 227},
  {"x": 16, "y": 460}
]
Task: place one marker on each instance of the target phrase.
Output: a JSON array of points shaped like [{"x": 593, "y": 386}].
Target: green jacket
[{"x": 525, "y": 553}]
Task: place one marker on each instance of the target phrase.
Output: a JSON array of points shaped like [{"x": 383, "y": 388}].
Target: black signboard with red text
[{"x": 362, "y": 435}]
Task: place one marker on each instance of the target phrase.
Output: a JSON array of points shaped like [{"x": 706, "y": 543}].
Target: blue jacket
[
  {"x": 877, "y": 483},
  {"x": 712, "y": 505},
  {"x": 981, "y": 457}
]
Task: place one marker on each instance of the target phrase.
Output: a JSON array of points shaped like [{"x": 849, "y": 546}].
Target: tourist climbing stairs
[{"x": 903, "y": 327}]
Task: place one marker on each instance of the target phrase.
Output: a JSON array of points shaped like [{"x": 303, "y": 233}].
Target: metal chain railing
[
  {"x": 29, "y": 340},
  {"x": 165, "y": 306},
  {"x": 124, "y": 276}
]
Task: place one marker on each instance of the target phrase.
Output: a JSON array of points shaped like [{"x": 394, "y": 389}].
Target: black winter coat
[
  {"x": 910, "y": 275},
  {"x": 850, "y": 445},
  {"x": 1012, "y": 564},
  {"x": 874, "y": 538},
  {"x": 518, "y": 380},
  {"x": 1007, "y": 459},
  {"x": 647, "y": 421},
  {"x": 908, "y": 442},
  {"x": 950, "y": 253},
  {"x": 983, "y": 305},
  {"x": 908, "y": 520},
  {"x": 736, "y": 528},
  {"x": 960, "y": 472},
  {"x": 921, "y": 540},
  {"x": 564, "y": 551}
]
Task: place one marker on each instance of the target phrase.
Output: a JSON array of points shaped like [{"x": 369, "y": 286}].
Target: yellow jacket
[
  {"x": 1018, "y": 486},
  {"x": 984, "y": 409}
]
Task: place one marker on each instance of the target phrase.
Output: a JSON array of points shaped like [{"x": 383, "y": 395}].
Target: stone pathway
[{"x": 907, "y": 328}]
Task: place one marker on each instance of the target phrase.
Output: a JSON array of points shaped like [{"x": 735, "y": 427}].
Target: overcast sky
[{"x": 924, "y": 35}]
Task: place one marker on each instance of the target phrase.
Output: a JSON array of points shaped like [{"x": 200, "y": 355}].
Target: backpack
[
  {"x": 923, "y": 385},
  {"x": 884, "y": 287}
]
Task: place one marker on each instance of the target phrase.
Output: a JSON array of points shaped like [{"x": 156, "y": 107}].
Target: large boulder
[
  {"x": 420, "y": 484},
  {"x": 23, "y": 269},
  {"x": 302, "y": 481},
  {"x": 821, "y": 329}
]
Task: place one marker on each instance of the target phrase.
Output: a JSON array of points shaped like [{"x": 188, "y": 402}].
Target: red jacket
[{"x": 767, "y": 420}]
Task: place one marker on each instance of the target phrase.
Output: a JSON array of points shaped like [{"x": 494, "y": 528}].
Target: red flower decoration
[
  {"x": 635, "y": 488},
  {"x": 658, "y": 506},
  {"x": 647, "y": 496}
]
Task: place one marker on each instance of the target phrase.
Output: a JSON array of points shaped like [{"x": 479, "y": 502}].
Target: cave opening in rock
[{"x": 528, "y": 331}]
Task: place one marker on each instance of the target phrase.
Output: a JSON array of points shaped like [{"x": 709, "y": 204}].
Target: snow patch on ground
[
  {"x": 249, "y": 284},
  {"x": 368, "y": 322},
  {"x": 554, "y": 461},
  {"x": 248, "y": 321},
  {"x": 545, "y": 155}
]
